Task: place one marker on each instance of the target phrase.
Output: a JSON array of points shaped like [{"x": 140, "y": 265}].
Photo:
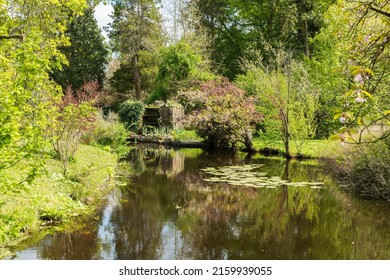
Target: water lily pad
[{"x": 249, "y": 176}]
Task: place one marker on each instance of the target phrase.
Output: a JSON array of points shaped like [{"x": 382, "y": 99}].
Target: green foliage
[
  {"x": 108, "y": 133},
  {"x": 131, "y": 114},
  {"x": 30, "y": 34},
  {"x": 181, "y": 134},
  {"x": 364, "y": 169},
  {"x": 325, "y": 67},
  {"x": 362, "y": 109},
  {"x": 236, "y": 27},
  {"x": 226, "y": 115},
  {"x": 86, "y": 55},
  {"x": 136, "y": 35},
  {"x": 180, "y": 65},
  {"x": 75, "y": 117},
  {"x": 287, "y": 98},
  {"x": 53, "y": 199},
  {"x": 309, "y": 148}
]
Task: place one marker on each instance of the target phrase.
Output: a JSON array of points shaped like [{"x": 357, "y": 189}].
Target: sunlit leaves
[{"x": 32, "y": 31}]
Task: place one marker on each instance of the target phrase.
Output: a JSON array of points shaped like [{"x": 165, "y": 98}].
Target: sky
[{"x": 102, "y": 13}]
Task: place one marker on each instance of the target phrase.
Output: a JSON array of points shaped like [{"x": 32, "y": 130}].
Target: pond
[{"x": 173, "y": 208}]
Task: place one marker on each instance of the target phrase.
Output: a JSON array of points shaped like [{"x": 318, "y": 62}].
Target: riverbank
[
  {"x": 53, "y": 201},
  {"x": 311, "y": 149}
]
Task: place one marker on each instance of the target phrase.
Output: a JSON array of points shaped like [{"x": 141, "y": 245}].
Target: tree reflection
[{"x": 169, "y": 212}]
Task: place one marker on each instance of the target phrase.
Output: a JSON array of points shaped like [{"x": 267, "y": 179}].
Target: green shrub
[
  {"x": 365, "y": 169},
  {"x": 109, "y": 133},
  {"x": 131, "y": 114}
]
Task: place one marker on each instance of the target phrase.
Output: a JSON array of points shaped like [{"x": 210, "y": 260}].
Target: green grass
[
  {"x": 181, "y": 134},
  {"x": 53, "y": 200},
  {"x": 310, "y": 148}
]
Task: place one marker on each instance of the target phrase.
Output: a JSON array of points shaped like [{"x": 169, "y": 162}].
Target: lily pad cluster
[{"x": 251, "y": 176}]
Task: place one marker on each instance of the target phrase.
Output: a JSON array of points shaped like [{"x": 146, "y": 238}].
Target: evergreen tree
[
  {"x": 136, "y": 34},
  {"x": 86, "y": 54}
]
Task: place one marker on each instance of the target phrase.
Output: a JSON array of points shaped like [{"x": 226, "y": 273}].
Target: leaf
[
  {"x": 367, "y": 93},
  {"x": 355, "y": 70},
  {"x": 334, "y": 137},
  {"x": 336, "y": 116},
  {"x": 349, "y": 93},
  {"x": 369, "y": 71},
  {"x": 343, "y": 130},
  {"x": 366, "y": 120},
  {"x": 350, "y": 115},
  {"x": 387, "y": 112}
]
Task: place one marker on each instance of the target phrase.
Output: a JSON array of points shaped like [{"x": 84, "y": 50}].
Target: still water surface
[{"x": 168, "y": 211}]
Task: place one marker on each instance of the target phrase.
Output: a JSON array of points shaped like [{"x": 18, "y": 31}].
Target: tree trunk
[
  {"x": 248, "y": 143},
  {"x": 287, "y": 148},
  {"x": 305, "y": 31},
  {"x": 137, "y": 78}
]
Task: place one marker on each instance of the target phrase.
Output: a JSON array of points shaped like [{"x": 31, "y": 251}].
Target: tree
[
  {"x": 238, "y": 26},
  {"x": 86, "y": 55},
  {"x": 364, "y": 112},
  {"x": 135, "y": 32},
  {"x": 286, "y": 97},
  {"x": 180, "y": 65},
  {"x": 30, "y": 33}
]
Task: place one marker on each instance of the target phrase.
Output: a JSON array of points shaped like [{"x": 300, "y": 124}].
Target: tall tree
[
  {"x": 135, "y": 30},
  {"x": 237, "y": 26},
  {"x": 86, "y": 54}
]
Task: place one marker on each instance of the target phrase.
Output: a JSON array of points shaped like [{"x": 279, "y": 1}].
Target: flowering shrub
[
  {"x": 364, "y": 119},
  {"x": 76, "y": 115},
  {"x": 223, "y": 115}
]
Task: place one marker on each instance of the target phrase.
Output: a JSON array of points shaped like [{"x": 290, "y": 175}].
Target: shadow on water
[{"x": 167, "y": 211}]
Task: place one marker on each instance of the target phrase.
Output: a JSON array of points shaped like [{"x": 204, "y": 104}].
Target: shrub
[
  {"x": 75, "y": 116},
  {"x": 131, "y": 113},
  {"x": 365, "y": 169},
  {"x": 108, "y": 132},
  {"x": 226, "y": 116}
]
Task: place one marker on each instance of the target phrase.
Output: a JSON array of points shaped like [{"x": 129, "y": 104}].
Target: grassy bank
[
  {"x": 309, "y": 149},
  {"x": 52, "y": 200}
]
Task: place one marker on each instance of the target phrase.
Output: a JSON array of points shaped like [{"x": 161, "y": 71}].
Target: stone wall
[{"x": 171, "y": 116}]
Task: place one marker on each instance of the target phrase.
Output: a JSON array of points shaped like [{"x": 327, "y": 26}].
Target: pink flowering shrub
[
  {"x": 75, "y": 117},
  {"x": 222, "y": 114}
]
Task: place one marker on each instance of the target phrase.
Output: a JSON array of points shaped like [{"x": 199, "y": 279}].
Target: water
[{"x": 167, "y": 211}]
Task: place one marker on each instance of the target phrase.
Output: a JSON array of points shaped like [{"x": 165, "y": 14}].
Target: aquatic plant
[{"x": 251, "y": 176}]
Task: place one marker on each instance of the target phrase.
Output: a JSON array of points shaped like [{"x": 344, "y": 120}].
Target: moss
[{"x": 52, "y": 200}]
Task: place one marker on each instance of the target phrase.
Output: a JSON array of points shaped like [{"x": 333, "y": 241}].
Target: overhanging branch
[
  {"x": 382, "y": 12},
  {"x": 17, "y": 36}
]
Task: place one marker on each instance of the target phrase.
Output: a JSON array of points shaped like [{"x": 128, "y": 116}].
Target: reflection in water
[{"x": 169, "y": 212}]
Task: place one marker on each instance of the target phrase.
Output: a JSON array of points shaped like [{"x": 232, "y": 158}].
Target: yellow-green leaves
[{"x": 31, "y": 33}]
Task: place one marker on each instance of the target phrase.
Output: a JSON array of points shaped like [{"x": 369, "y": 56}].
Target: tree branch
[
  {"x": 16, "y": 36},
  {"x": 382, "y": 12}
]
